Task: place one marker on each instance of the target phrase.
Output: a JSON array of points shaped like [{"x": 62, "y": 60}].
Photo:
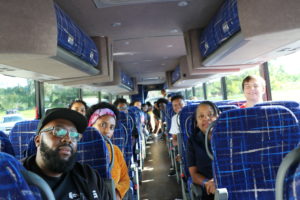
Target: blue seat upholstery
[
  {"x": 288, "y": 104},
  {"x": 186, "y": 119},
  {"x": 248, "y": 146},
  {"x": 169, "y": 114},
  {"x": 73, "y": 39},
  {"x": 135, "y": 115},
  {"x": 92, "y": 150},
  {"x": 223, "y": 102},
  {"x": 222, "y": 26},
  {"x": 5, "y": 145},
  {"x": 12, "y": 182},
  {"x": 120, "y": 137},
  {"x": 128, "y": 125},
  {"x": 227, "y": 107},
  {"x": 292, "y": 105},
  {"x": 20, "y": 136}
]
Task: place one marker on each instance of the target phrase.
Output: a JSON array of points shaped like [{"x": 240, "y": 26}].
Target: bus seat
[
  {"x": 248, "y": 146},
  {"x": 20, "y": 136},
  {"x": 223, "y": 102},
  {"x": 119, "y": 137},
  {"x": 92, "y": 150},
  {"x": 186, "y": 118},
  {"x": 227, "y": 107},
  {"x": 127, "y": 124},
  {"x": 288, "y": 177},
  {"x": 5, "y": 144},
  {"x": 294, "y": 106},
  {"x": 18, "y": 183},
  {"x": 288, "y": 104},
  {"x": 237, "y": 103}
]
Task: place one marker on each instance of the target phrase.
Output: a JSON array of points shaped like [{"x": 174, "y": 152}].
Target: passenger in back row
[
  {"x": 79, "y": 106},
  {"x": 103, "y": 117},
  {"x": 254, "y": 88},
  {"x": 199, "y": 164},
  {"x": 57, "y": 136},
  {"x": 177, "y": 105}
]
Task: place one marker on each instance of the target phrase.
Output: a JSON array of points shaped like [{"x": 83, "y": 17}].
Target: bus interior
[{"x": 102, "y": 50}]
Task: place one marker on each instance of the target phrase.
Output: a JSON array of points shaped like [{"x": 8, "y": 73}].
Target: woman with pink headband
[{"x": 103, "y": 116}]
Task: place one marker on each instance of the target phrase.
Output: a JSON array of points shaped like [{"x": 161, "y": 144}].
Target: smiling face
[
  {"x": 177, "y": 105},
  {"x": 105, "y": 125},
  {"x": 204, "y": 116},
  {"x": 254, "y": 91}
]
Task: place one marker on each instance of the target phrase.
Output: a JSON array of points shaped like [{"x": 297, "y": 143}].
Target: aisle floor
[{"x": 157, "y": 185}]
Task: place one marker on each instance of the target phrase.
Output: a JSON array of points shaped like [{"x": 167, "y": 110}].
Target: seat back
[
  {"x": 169, "y": 114},
  {"x": 92, "y": 150},
  {"x": 5, "y": 144},
  {"x": 119, "y": 137},
  {"x": 12, "y": 183},
  {"x": 248, "y": 146},
  {"x": 227, "y": 107},
  {"x": 187, "y": 119},
  {"x": 294, "y": 106},
  {"x": 20, "y": 136},
  {"x": 127, "y": 123}
]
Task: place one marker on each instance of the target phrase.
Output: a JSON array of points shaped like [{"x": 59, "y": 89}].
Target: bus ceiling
[{"x": 152, "y": 42}]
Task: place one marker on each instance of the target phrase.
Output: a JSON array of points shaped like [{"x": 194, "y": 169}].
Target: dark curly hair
[
  {"x": 101, "y": 105},
  {"x": 162, "y": 100},
  {"x": 216, "y": 111},
  {"x": 120, "y": 100},
  {"x": 177, "y": 96},
  {"x": 78, "y": 101}
]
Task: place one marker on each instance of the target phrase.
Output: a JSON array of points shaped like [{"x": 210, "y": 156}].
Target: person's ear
[{"x": 37, "y": 140}]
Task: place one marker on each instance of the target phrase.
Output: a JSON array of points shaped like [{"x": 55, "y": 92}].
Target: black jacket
[{"x": 85, "y": 178}]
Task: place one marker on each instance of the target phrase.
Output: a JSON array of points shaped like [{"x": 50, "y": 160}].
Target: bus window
[
  {"x": 285, "y": 77},
  {"x": 234, "y": 83},
  {"x": 105, "y": 97},
  {"x": 58, "y": 96},
  {"x": 189, "y": 93},
  {"x": 90, "y": 96},
  {"x": 214, "y": 92},
  {"x": 17, "y": 96},
  {"x": 199, "y": 92}
]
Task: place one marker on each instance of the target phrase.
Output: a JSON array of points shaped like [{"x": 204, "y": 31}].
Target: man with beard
[{"x": 55, "y": 161}]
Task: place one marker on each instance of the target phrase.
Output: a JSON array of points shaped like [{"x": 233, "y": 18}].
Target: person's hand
[
  {"x": 118, "y": 196},
  {"x": 210, "y": 186}
]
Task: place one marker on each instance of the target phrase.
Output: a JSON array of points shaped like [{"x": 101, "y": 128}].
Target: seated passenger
[
  {"x": 254, "y": 88},
  {"x": 199, "y": 164},
  {"x": 79, "y": 106},
  {"x": 177, "y": 105},
  {"x": 137, "y": 103},
  {"x": 55, "y": 161},
  {"x": 103, "y": 116},
  {"x": 121, "y": 104}
]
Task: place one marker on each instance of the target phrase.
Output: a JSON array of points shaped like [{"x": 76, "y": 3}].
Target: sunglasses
[{"x": 62, "y": 132}]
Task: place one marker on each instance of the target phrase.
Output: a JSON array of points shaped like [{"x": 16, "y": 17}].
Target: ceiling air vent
[{"x": 110, "y": 3}]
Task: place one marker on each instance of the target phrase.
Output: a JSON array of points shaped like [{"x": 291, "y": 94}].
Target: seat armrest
[{"x": 221, "y": 194}]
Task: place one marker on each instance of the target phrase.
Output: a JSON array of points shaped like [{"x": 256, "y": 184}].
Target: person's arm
[
  {"x": 124, "y": 183},
  {"x": 202, "y": 180},
  {"x": 196, "y": 176}
]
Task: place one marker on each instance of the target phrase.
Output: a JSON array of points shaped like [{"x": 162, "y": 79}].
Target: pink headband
[{"x": 99, "y": 113}]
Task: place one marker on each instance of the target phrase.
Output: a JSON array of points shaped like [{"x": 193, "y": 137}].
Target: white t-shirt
[{"x": 174, "y": 130}]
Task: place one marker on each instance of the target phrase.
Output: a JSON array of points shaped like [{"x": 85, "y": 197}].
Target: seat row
[
  {"x": 92, "y": 147},
  {"x": 248, "y": 146}
]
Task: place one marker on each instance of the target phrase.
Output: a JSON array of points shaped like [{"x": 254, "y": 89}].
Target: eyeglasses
[{"x": 62, "y": 132}]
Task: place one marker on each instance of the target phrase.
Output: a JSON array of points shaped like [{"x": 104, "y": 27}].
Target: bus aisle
[{"x": 156, "y": 183}]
